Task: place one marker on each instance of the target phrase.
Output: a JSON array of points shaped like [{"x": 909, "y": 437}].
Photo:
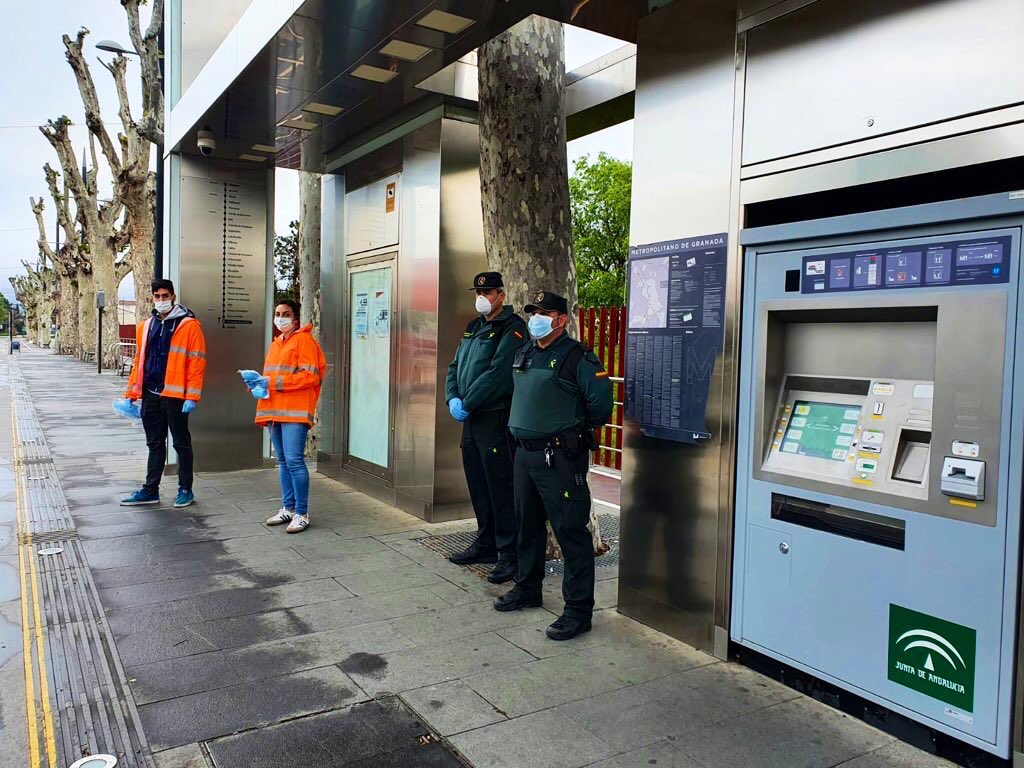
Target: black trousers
[
  {"x": 488, "y": 463},
  {"x": 558, "y": 493},
  {"x": 160, "y": 415}
]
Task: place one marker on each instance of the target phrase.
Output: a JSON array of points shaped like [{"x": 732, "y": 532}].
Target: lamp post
[
  {"x": 101, "y": 302},
  {"x": 111, "y": 46}
]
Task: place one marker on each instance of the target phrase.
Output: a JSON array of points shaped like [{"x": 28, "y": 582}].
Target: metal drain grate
[{"x": 450, "y": 543}]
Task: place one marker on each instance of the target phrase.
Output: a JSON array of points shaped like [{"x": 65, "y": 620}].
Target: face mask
[
  {"x": 540, "y": 326},
  {"x": 163, "y": 307},
  {"x": 483, "y": 306},
  {"x": 283, "y": 323}
]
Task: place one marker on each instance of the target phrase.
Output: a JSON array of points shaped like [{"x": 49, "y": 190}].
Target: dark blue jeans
[{"x": 290, "y": 447}]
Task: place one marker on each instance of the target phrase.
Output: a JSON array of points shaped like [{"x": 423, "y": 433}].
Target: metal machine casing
[{"x": 825, "y": 569}]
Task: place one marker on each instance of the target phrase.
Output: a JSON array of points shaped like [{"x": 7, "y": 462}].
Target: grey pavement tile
[
  {"x": 434, "y": 755},
  {"x": 670, "y": 707},
  {"x": 452, "y": 707},
  {"x": 608, "y": 627},
  {"x": 176, "y": 589},
  {"x": 800, "y": 732},
  {"x": 189, "y": 756},
  {"x": 464, "y": 620},
  {"x": 173, "y": 536},
  {"x": 363, "y": 732},
  {"x": 406, "y": 602},
  {"x": 456, "y": 595},
  {"x": 180, "y": 677},
  {"x": 662, "y": 754},
  {"x": 403, "y": 535},
  {"x": 110, "y": 578},
  {"x": 238, "y": 602},
  {"x": 203, "y": 716},
  {"x": 543, "y": 684},
  {"x": 168, "y": 642},
  {"x": 319, "y": 649},
  {"x": 143, "y": 618},
  {"x": 643, "y": 660},
  {"x": 897, "y": 755},
  {"x": 330, "y": 544},
  {"x": 540, "y": 740},
  {"x": 435, "y": 663},
  {"x": 388, "y": 579},
  {"x": 328, "y": 567},
  {"x": 606, "y": 594}
]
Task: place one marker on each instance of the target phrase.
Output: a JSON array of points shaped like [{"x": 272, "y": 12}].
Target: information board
[{"x": 676, "y": 303}]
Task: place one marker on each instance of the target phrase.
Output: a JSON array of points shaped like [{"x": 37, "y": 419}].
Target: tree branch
[
  {"x": 90, "y": 99},
  {"x": 148, "y": 48}
]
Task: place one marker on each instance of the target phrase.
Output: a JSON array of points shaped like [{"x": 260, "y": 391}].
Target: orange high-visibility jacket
[
  {"x": 296, "y": 368},
  {"x": 186, "y": 361}
]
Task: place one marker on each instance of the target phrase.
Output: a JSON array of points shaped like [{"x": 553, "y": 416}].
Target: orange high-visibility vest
[
  {"x": 186, "y": 361},
  {"x": 296, "y": 368}
]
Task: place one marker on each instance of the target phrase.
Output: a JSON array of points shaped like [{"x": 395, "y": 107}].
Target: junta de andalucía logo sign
[{"x": 932, "y": 656}]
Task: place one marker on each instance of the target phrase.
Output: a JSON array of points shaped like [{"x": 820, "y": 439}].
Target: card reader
[{"x": 964, "y": 478}]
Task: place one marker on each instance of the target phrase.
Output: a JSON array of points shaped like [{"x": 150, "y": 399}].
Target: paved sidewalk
[{"x": 354, "y": 644}]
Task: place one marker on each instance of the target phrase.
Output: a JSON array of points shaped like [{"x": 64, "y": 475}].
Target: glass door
[{"x": 370, "y": 345}]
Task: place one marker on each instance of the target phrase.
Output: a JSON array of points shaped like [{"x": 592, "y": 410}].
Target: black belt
[{"x": 541, "y": 443}]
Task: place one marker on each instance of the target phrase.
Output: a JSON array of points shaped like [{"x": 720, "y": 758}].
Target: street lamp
[{"x": 111, "y": 46}]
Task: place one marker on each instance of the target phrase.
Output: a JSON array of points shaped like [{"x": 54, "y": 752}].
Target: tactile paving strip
[
  {"x": 83, "y": 705},
  {"x": 449, "y": 543}
]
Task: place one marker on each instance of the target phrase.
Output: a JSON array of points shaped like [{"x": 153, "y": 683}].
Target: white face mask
[
  {"x": 483, "y": 306},
  {"x": 283, "y": 323},
  {"x": 163, "y": 307}
]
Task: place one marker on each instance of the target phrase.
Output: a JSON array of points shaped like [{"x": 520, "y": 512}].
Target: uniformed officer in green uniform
[
  {"x": 478, "y": 391},
  {"x": 561, "y": 395}
]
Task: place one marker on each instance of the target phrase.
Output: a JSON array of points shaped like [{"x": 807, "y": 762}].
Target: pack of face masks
[
  {"x": 128, "y": 410},
  {"x": 253, "y": 381}
]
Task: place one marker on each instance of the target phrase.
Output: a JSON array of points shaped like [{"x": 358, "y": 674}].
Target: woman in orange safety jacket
[{"x": 292, "y": 373}]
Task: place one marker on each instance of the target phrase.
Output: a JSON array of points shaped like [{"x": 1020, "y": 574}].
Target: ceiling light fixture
[
  {"x": 322, "y": 109},
  {"x": 253, "y": 158},
  {"x": 406, "y": 51},
  {"x": 374, "y": 74},
  {"x": 444, "y": 22},
  {"x": 265, "y": 148},
  {"x": 299, "y": 123}
]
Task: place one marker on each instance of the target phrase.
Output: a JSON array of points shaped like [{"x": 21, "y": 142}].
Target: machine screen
[{"x": 821, "y": 430}]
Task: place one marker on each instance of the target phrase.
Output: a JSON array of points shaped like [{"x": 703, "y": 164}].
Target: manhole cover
[{"x": 450, "y": 543}]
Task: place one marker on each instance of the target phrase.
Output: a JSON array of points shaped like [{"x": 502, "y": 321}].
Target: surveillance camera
[{"x": 207, "y": 144}]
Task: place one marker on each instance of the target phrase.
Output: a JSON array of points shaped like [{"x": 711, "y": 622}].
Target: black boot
[
  {"x": 504, "y": 571},
  {"x": 567, "y": 627},
  {"x": 475, "y": 553},
  {"x": 515, "y": 600}
]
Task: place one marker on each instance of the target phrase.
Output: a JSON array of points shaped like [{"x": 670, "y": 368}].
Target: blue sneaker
[
  {"x": 184, "y": 498},
  {"x": 139, "y": 498}
]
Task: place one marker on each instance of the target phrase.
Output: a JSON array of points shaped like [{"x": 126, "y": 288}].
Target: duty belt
[{"x": 555, "y": 441}]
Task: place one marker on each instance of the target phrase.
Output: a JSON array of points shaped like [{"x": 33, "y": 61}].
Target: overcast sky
[{"x": 38, "y": 85}]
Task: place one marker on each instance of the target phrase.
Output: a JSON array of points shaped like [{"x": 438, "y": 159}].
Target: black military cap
[
  {"x": 549, "y": 302},
  {"x": 487, "y": 280}
]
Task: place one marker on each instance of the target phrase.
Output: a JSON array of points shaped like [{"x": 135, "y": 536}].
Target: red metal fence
[{"x": 603, "y": 329}]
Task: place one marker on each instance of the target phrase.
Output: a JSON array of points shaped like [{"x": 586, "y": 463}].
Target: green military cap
[
  {"x": 487, "y": 280},
  {"x": 549, "y": 302}
]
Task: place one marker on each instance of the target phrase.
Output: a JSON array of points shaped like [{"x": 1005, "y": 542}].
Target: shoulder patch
[{"x": 517, "y": 334}]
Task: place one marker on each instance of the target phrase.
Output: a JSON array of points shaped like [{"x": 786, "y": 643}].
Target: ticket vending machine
[{"x": 879, "y": 468}]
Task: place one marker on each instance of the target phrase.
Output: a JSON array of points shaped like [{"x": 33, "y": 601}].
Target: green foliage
[
  {"x": 599, "y": 196},
  {"x": 286, "y": 264}
]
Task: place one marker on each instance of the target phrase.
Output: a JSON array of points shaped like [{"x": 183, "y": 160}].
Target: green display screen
[{"x": 821, "y": 430}]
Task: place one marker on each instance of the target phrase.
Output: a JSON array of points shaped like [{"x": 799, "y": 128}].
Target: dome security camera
[{"x": 207, "y": 143}]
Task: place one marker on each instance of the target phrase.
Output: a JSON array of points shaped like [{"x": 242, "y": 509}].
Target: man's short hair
[
  {"x": 158, "y": 285},
  {"x": 292, "y": 305}
]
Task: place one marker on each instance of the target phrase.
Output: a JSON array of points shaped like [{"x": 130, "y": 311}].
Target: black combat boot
[
  {"x": 515, "y": 600},
  {"x": 477, "y": 552},
  {"x": 504, "y": 571},
  {"x": 567, "y": 627}
]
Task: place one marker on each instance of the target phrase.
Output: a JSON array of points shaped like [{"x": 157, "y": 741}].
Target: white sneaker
[
  {"x": 298, "y": 524},
  {"x": 283, "y": 516}
]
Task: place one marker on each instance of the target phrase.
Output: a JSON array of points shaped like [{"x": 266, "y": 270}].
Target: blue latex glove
[
  {"x": 188, "y": 407},
  {"x": 249, "y": 377},
  {"x": 127, "y": 408},
  {"x": 259, "y": 391},
  {"x": 457, "y": 411}
]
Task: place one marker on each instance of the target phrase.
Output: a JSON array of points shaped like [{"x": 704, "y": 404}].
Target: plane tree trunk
[{"x": 309, "y": 272}]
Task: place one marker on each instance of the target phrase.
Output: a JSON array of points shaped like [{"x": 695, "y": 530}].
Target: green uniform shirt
[
  {"x": 481, "y": 373},
  {"x": 545, "y": 404}
]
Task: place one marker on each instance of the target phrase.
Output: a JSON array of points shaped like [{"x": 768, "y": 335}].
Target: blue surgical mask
[{"x": 540, "y": 326}]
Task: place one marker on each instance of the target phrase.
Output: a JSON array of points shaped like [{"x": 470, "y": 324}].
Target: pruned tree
[
  {"x": 309, "y": 272},
  {"x": 524, "y": 175}
]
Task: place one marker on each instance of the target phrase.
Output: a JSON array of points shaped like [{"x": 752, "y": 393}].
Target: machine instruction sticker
[
  {"x": 932, "y": 656},
  {"x": 676, "y": 300}
]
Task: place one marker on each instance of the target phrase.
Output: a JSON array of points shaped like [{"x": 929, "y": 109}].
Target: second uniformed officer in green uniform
[
  {"x": 478, "y": 391},
  {"x": 561, "y": 394}
]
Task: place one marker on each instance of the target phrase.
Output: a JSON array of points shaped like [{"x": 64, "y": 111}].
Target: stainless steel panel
[
  {"x": 753, "y": 13},
  {"x": 223, "y": 279},
  {"x": 836, "y": 72},
  {"x": 332, "y": 308},
  {"x": 955, "y": 152},
  {"x": 461, "y": 257},
  {"x": 373, "y": 219},
  {"x": 204, "y": 25},
  {"x": 672, "y": 500}
]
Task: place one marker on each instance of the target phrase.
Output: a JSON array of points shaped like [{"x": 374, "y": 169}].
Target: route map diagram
[{"x": 648, "y": 293}]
